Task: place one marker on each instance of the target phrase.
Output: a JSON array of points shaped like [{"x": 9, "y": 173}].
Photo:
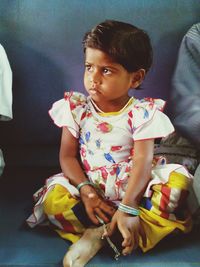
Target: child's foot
[{"x": 84, "y": 249}]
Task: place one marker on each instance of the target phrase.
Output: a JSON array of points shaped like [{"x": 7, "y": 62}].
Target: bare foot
[{"x": 84, "y": 249}]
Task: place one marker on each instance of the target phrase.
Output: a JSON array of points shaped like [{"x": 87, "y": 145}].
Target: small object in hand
[{"x": 111, "y": 244}]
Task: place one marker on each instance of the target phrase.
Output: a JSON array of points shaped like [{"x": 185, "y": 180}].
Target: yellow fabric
[
  {"x": 59, "y": 200},
  {"x": 156, "y": 198},
  {"x": 114, "y": 113},
  {"x": 178, "y": 180},
  {"x": 168, "y": 195},
  {"x": 156, "y": 227}
]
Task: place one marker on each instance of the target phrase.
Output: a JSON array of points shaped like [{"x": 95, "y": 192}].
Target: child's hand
[
  {"x": 96, "y": 205},
  {"x": 130, "y": 228}
]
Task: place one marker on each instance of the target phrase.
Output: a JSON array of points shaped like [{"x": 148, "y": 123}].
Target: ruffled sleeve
[
  {"x": 68, "y": 111},
  {"x": 149, "y": 121}
]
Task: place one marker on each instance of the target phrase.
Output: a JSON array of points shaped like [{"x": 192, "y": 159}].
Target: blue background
[{"x": 43, "y": 43}]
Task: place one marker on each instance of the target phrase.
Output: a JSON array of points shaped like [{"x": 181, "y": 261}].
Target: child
[{"x": 109, "y": 174}]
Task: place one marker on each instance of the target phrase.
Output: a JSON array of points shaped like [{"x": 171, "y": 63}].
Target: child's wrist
[
  {"x": 128, "y": 209},
  {"x": 86, "y": 190},
  {"x": 83, "y": 184}
]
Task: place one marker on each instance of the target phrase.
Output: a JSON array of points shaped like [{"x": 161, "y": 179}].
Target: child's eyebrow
[{"x": 107, "y": 66}]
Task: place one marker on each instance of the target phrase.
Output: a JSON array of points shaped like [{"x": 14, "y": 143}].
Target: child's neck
[{"x": 112, "y": 108}]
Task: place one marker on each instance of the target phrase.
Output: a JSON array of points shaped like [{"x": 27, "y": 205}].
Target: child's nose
[{"x": 95, "y": 77}]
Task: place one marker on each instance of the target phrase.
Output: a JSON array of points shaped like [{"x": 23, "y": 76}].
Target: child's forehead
[{"x": 93, "y": 55}]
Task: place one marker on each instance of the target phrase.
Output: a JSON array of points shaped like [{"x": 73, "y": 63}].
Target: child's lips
[{"x": 93, "y": 91}]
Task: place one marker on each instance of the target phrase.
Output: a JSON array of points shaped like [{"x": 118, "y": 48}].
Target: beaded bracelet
[
  {"x": 79, "y": 186},
  {"x": 128, "y": 209}
]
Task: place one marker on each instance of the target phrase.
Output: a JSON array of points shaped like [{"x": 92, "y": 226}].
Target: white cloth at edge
[
  {"x": 5, "y": 94},
  {"x": 5, "y": 87}
]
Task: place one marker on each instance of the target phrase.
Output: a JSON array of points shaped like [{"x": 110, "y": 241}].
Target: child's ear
[{"x": 138, "y": 77}]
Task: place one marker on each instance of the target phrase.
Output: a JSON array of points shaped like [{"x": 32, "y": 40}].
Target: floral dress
[{"x": 106, "y": 144}]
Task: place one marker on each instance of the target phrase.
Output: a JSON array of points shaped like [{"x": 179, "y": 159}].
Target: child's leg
[
  {"x": 70, "y": 219},
  {"x": 84, "y": 249}
]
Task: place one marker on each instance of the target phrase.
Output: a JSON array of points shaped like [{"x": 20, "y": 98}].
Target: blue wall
[{"x": 43, "y": 43}]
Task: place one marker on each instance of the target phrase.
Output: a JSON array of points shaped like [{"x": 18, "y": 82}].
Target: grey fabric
[
  {"x": 177, "y": 149},
  {"x": 185, "y": 96}
]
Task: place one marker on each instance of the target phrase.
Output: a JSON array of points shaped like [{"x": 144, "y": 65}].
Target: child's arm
[
  {"x": 130, "y": 226},
  {"x": 140, "y": 173},
  {"x": 69, "y": 153}
]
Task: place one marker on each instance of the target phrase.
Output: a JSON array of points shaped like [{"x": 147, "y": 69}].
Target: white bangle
[
  {"x": 128, "y": 209},
  {"x": 79, "y": 186}
]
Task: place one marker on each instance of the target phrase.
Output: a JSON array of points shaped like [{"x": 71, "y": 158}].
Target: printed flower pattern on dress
[
  {"x": 107, "y": 143},
  {"x": 104, "y": 127}
]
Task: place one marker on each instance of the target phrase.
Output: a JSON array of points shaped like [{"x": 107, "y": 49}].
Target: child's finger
[
  {"x": 101, "y": 215},
  {"x": 110, "y": 228},
  {"x": 107, "y": 209},
  {"x": 131, "y": 245},
  {"x": 127, "y": 250},
  {"x": 143, "y": 236},
  {"x": 92, "y": 217},
  {"x": 126, "y": 236},
  {"x": 135, "y": 241}
]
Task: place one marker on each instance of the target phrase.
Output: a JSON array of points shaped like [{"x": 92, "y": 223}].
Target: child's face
[{"x": 106, "y": 82}]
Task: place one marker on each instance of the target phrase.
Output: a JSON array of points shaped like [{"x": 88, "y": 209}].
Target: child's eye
[
  {"x": 107, "y": 71},
  {"x": 88, "y": 68}
]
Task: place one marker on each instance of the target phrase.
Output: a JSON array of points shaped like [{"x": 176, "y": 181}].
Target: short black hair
[{"x": 123, "y": 42}]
